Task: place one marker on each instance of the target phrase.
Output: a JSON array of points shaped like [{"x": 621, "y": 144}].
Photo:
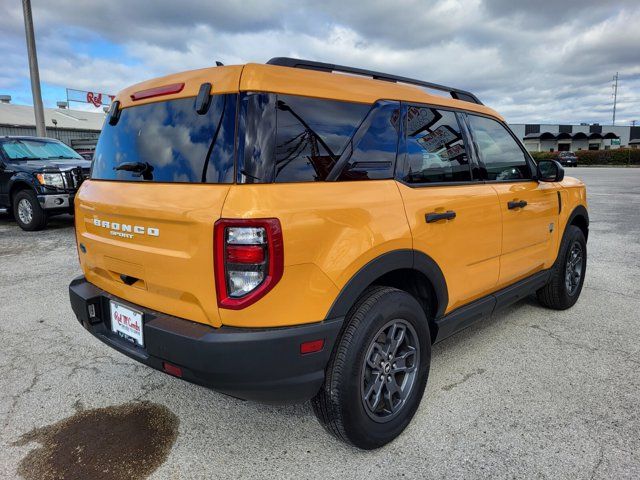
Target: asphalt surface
[{"x": 528, "y": 393}]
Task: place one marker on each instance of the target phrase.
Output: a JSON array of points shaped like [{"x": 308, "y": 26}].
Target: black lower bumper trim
[{"x": 264, "y": 365}]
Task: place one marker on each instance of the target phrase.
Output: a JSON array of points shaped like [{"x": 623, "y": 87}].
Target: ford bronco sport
[
  {"x": 39, "y": 178},
  {"x": 285, "y": 232}
]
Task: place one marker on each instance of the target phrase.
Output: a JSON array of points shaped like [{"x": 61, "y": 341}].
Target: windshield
[{"x": 23, "y": 149}]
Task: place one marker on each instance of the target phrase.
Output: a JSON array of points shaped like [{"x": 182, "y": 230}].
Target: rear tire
[
  {"x": 568, "y": 273},
  {"x": 378, "y": 371},
  {"x": 27, "y": 211}
]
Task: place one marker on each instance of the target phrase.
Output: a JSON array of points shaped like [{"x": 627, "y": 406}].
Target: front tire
[
  {"x": 378, "y": 372},
  {"x": 567, "y": 275},
  {"x": 27, "y": 211}
]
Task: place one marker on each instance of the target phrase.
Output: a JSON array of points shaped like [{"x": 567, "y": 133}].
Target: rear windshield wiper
[{"x": 139, "y": 169}]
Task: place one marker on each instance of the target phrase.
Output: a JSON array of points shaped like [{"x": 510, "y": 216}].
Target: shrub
[
  {"x": 619, "y": 156},
  {"x": 544, "y": 155}
]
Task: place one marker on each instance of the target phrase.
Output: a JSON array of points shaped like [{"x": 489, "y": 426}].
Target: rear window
[
  {"x": 308, "y": 138},
  {"x": 169, "y": 142}
]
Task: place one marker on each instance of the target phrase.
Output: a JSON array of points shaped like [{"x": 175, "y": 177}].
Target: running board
[
  {"x": 3, "y": 210},
  {"x": 467, "y": 315}
]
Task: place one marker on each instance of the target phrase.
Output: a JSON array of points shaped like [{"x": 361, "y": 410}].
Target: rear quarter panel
[{"x": 330, "y": 231}]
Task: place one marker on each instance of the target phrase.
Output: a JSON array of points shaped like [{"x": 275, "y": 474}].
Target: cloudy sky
[{"x": 546, "y": 61}]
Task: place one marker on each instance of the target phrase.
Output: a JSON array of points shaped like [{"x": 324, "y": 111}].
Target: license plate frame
[{"x": 127, "y": 323}]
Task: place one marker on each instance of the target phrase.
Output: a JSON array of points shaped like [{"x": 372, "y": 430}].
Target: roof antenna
[{"x": 219, "y": 63}]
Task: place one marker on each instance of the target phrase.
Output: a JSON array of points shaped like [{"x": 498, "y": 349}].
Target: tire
[
  {"x": 563, "y": 289},
  {"x": 32, "y": 217},
  {"x": 340, "y": 405}
]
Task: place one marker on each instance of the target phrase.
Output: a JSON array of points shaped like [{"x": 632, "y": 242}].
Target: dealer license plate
[{"x": 127, "y": 323}]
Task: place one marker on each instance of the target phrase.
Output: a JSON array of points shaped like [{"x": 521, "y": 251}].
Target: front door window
[{"x": 501, "y": 157}]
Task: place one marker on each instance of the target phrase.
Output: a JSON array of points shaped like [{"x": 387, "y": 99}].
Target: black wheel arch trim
[
  {"x": 22, "y": 182},
  {"x": 579, "y": 211},
  {"x": 386, "y": 263}
]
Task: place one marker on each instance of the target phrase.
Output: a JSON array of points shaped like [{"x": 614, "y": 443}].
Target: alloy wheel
[
  {"x": 25, "y": 211},
  {"x": 574, "y": 267},
  {"x": 390, "y": 370}
]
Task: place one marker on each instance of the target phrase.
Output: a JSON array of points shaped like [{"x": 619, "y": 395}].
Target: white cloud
[{"x": 532, "y": 61}]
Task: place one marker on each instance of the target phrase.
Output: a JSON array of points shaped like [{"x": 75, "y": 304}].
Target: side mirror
[{"x": 549, "y": 171}]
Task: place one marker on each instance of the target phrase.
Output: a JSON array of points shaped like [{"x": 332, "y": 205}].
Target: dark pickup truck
[{"x": 39, "y": 178}]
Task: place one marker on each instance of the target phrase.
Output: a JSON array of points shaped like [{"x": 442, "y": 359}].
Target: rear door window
[
  {"x": 169, "y": 142},
  {"x": 500, "y": 156},
  {"x": 434, "y": 147}
]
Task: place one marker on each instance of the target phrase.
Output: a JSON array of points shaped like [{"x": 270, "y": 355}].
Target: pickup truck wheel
[
  {"x": 567, "y": 275},
  {"x": 27, "y": 211},
  {"x": 378, "y": 371}
]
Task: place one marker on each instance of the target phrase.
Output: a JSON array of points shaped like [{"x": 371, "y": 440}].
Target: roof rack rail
[{"x": 329, "y": 67}]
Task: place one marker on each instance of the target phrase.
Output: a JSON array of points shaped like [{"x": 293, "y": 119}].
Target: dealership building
[
  {"x": 76, "y": 128},
  {"x": 549, "y": 138}
]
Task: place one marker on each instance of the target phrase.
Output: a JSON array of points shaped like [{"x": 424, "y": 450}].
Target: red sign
[{"x": 96, "y": 99}]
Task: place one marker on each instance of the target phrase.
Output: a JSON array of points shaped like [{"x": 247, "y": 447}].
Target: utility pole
[
  {"x": 615, "y": 96},
  {"x": 33, "y": 69}
]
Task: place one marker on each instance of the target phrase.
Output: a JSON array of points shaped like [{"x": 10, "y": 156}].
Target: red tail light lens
[
  {"x": 245, "y": 253},
  {"x": 157, "y": 91},
  {"x": 249, "y": 260}
]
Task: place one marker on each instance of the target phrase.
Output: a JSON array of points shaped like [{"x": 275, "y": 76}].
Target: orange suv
[{"x": 304, "y": 231}]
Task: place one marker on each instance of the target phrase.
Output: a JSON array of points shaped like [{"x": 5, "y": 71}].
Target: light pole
[
  {"x": 33, "y": 69},
  {"x": 615, "y": 96}
]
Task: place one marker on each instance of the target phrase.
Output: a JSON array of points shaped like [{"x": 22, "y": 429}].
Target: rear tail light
[{"x": 249, "y": 260}]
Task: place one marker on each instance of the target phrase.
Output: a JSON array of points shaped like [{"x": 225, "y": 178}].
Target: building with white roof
[
  {"x": 549, "y": 137},
  {"x": 76, "y": 128}
]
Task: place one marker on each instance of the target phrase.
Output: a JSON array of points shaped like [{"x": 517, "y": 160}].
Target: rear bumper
[{"x": 264, "y": 365}]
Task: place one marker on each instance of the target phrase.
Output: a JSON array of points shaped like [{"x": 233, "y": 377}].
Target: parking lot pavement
[{"x": 527, "y": 393}]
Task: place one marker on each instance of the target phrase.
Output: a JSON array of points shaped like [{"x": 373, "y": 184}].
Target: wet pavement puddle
[{"x": 125, "y": 442}]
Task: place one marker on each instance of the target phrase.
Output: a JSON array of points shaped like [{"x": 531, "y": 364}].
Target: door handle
[
  {"x": 520, "y": 204},
  {"x": 435, "y": 216}
]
